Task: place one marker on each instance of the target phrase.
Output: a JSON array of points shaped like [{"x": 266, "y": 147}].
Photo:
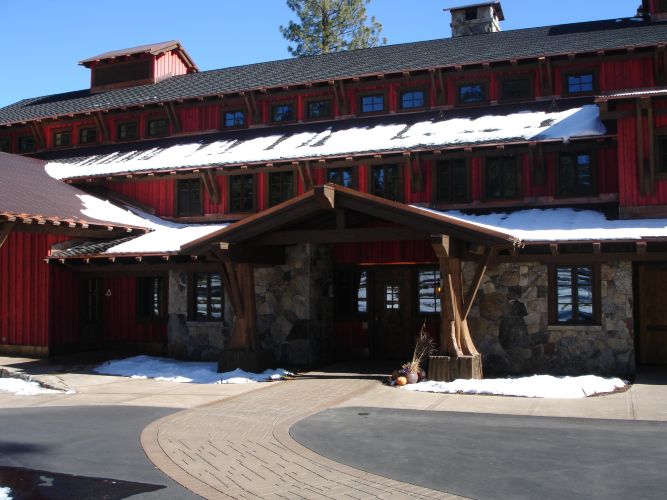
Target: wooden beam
[
  {"x": 101, "y": 127},
  {"x": 651, "y": 150},
  {"x": 640, "y": 147},
  {"x": 305, "y": 175},
  {"x": 326, "y": 197},
  {"x": 5, "y": 229},
  {"x": 477, "y": 281},
  {"x": 173, "y": 118},
  {"x": 211, "y": 186},
  {"x": 339, "y": 236},
  {"x": 39, "y": 135}
]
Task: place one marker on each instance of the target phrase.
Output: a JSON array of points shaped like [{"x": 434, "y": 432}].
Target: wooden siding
[
  {"x": 168, "y": 64},
  {"x": 384, "y": 252},
  {"x": 65, "y": 298},
  {"x": 158, "y": 194}
]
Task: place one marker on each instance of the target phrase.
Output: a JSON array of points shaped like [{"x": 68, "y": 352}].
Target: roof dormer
[{"x": 138, "y": 66}]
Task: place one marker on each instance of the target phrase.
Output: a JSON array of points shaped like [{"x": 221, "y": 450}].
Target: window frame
[
  {"x": 82, "y": 130},
  {"x": 593, "y": 166},
  {"x": 579, "y": 73},
  {"x": 145, "y": 311},
  {"x": 20, "y": 141},
  {"x": 501, "y": 87},
  {"x": 553, "y": 295},
  {"x": 225, "y": 112},
  {"x": 153, "y": 120},
  {"x": 402, "y": 92},
  {"x": 121, "y": 124},
  {"x": 291, "y": 104},
  {"x": 379, "y": 93},
  {"x": 308, "y": 102},
  {"x": 192, "y": 298},
  {"x": 519, "y": 183},
  {"x": 436, "y": 180},
  {"x": 229, "y": 207},
  {"x": 58, "y": 132},
  {"x": 485, "y": 90},
  {"x": 371, "y": 184},
  {"x": 354, "y": 172},
  {"x": 279, "y": 172},
  {"x": 199, "y": 209}
]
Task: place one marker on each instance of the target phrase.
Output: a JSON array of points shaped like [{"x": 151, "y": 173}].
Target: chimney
[{"x": 476, "y": 19}]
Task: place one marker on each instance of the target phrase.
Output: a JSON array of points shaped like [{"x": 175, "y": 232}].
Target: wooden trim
[
  {"x": 640, "y": 147},
  {"x": 651, "y": 150},
  {"x": 102, "y": 130}
]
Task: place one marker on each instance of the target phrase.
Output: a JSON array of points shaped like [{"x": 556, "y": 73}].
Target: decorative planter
[{"x": 412, "y": 377}]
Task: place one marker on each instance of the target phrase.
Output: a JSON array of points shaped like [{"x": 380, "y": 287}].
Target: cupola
[
  {"x": 138, "y": 66},
  {"x": 476, "y": 19}
]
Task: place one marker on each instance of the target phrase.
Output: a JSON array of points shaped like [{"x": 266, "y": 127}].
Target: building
[{"x": 506, "y": 191}]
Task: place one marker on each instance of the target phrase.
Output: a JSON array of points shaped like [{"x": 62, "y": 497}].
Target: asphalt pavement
[
  {"x": 487, "y": 456},
  {"x": 81, "y": 452}
]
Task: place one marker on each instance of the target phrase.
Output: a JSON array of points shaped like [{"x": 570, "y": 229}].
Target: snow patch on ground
[
  {"x": 537, "y": 386},
  {"x": 22, "y": 387},
  {"x": 5, "y": 493},
  {"x": 196, "y": 372}
]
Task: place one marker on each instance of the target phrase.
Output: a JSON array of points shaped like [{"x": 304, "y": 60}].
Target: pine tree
[{"x": 330, "y": 26}]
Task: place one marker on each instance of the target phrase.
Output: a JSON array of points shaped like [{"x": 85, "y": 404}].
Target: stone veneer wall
[
  {"x": 510, "y": 324},
  {"x": 294, "y": 312}
]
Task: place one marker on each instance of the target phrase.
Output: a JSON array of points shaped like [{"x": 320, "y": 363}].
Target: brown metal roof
[
  {"x": 153, "y": 48},
  {"x": 29, "y": 194}
]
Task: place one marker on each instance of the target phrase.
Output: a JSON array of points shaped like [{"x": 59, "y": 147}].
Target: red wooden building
[{"x": 506, "y": 189}]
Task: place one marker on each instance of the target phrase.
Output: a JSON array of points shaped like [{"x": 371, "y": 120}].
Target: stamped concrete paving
[{"x": 241, "y": 448}]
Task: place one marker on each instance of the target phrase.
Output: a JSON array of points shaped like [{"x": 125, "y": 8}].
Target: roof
[
  {"x": 447, "y": 52},
  {"x": 388, "y": 134},
  {"x": 153, "y": 48},
  {"x": 27, "y": 192},
  {"x": 564, "y": 225}
]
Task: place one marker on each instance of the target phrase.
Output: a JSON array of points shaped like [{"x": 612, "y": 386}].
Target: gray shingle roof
[{"x": 517, "y": 44}]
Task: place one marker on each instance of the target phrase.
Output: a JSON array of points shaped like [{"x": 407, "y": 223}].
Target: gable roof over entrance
[{"x": 280, "y": 225}]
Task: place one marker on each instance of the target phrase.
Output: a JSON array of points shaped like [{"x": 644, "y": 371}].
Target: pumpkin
[{"x": 401, "y": 381}]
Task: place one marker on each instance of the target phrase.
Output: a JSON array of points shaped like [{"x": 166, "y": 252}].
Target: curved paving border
[{"x": 241, "y": 447}]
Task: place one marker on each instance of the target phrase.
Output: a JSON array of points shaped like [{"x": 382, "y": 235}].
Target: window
[
  {"x": 189, "y": 198},
  {"x": 351, "y": 292},
  {"x": 429, "y": 287},
  {"x": 574, "y": 294},
  {"x": 386, "y": 182},
  {"x": 392, "y": 295},
  {"x": 452, "y": 181},
  {"x": 242, "y": 193},
  {"x": 26, "y": 144},
  {"x": 87, "y": 135},
  {"x": 372, "y": 103},
  {"x": 343, "y": 176},
  {"x": 472, "y": 93},
  {"x": 471, "y": 13},
  {"x": 281, "y": 187},
  {"x": 206, "y": 303},
  {"x": 582, "y": 83},
  {"x": 158, "y": 127},
  {"x": 319, "y": 109},
  {"x": 661, "y": 6},
  {"x": 5, "y": 144},
  {"x": 502, "y": 178},
  {"x": 516, "y": 88},
  {"x": 127, "y": 131},
  {"x": 149, "y": 298},
  {"x": 62, "y": 138},
  {"x": 413, "y": 99},
  {"x": 282, "y": 113},
  {"x": 233, "y": 119},
  {"x": 575, "y": 175}
]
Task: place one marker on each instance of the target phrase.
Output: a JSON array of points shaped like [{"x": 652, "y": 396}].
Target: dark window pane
[
  {"x": 207, "y": 296},
  {"x": 5, "y": 144},
  {"x": 189, "y": 197},
  {"x": 242, "y": 193},
  {"x": 386, "y": 182},
  {"x": 234, "y": 118},
  {"x": 471, "y": 13},
  {"x": 580, "y": 83},
  {"x": 574, "y": 294},
  {"x": 282, "y": 113},
  {"x": 372, "y": 103},
  {"x": 392, "y": 297},
  {"x": 452, "y": 180},
  {"x": 575, "y": 175},
  {"x": 127, "y": 131},
  {"x": 516, "y": 88},
  {"x": 26, "y": 144},
  {"x": 63, "y": 138},
  {"x": 502, "y": 178},
  {"x": 319, "y": 109},
  {"x": 470, "y": 94},
  {"x": 158, "y": 127},
  {"x": 429, "y": 282},
  {"x": 351, "y": 292},
  {"x": 88, "y": 135},
  {"x": 341, "y": 176},
  {"x": 149, "y": 298},
  {"x": 413, "y": 99},
  {"x": 281, "y": 187}
]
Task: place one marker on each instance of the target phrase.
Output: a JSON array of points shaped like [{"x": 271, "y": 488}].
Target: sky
[{"x": 43, "y": 40}]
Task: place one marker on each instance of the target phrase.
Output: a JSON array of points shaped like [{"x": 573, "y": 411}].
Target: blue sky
[{"x": 43, "y": 40}]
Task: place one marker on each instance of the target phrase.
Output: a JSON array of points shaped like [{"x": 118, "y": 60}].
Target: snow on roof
[
  {"x": 165, "y": 239},
  {"x": 282, "y": 144},
  {"x": 565, "y": 224},
  {"x": 622, "y": 94}
]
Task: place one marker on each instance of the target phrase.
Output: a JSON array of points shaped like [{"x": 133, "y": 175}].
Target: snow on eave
[
  {"x": 290, "y": 144},
  {"x": 631, "y": 93}
]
